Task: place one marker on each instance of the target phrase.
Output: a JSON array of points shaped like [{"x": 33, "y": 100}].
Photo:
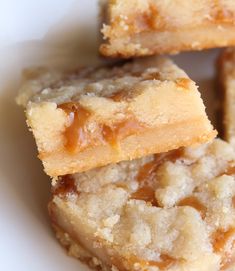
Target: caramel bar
[
  {"x": 93, "y": 117},
  {"x": 146, "y": 27},
  {"x": 171, "y": 211}
]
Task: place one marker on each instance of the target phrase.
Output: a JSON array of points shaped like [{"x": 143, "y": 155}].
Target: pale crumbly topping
[
  {"x": 192, "y": 211},
  {"x": 44, "y": 85},
  {"x": 123, "y": 173}
]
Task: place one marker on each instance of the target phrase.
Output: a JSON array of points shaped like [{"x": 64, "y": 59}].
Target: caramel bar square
[
  {"x": 140, "y": 27},
  {"x": 173, "y": 211},
  {"x": 93, "y": 117}
]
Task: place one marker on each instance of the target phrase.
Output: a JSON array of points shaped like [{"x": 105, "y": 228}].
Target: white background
[{"x": 57, "y": 33}]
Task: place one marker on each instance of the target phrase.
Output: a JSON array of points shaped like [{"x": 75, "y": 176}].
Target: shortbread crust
[
  {"x": 146, "y": 27},
  {"x": 172, "y": 211},
  {"x": 93, "y": 117}
]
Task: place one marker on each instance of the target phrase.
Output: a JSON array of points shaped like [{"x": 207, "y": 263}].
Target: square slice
[
  {"x": 172, "y": 211},
  {"x": 146, "y": 27},
  {"x": 93, "y": 117},
  {"x": 227, "y": 83}
]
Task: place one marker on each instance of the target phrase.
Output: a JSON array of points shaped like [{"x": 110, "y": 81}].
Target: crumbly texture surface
[
  {"x": 173, "y": 211},
  {"x": 227, "y": 82},
  {"x": 145, "y": 27},
  {"x": 95, "y": 116},
  {"x": 76, "y": 250}
]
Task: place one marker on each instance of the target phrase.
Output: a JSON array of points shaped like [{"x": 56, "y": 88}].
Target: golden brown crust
[
  {"x": 138, "y": 28},
  {"x": 75, "y": 249}
]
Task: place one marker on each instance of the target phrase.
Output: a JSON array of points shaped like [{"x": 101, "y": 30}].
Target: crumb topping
[
  {"x": 167, "y": 211},
  {"x": 117, "y": 83}
]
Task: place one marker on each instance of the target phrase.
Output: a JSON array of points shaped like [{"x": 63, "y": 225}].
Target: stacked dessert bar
[
  {"x": 140, "y": 28},
  {"x": 139, "y": 181}
]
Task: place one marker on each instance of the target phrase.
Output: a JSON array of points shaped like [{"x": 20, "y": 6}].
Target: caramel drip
[
  {"x": 76, "y": 134},
  {"x": 147, "y": 20},
  {"x": 109, "y": 135},
  {"x": 145, "y": 193},
  {"x": 122, "y": 185},
  {"x": 223, "y": 15},
  {"x": 151, "y": 76},
  {"x": 165, "y": 262},
  {"x": 230, "y": 171},
  {"x": 118, "y": 96},
  {"x": 127, "y": 127},
  {"x": 183, "y": 83},
  {"x": 233, "y": 201},
  {"x": 221, "y": 239},
  {"x": 65, "y": 186},
  {"x": 78, "y": 138},
  {"x": 120, "y": 130},
  {"x": 147, "y": 173},
  {"x": 195, "y": 203},
  {"x": 147, "y": 176},
  {"x": 169, "y": 156}
]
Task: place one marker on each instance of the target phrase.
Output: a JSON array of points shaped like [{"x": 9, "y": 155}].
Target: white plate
[{"x": 57, "y": 33}]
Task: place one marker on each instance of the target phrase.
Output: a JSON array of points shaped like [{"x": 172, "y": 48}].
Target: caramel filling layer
[
  {"x": 65, "y": 186},
  {"x": 112, "y": 134},
  {"x": 147, "y": 176},
  {"x": 78, "y": 137},
  {"x": 230, "y": 171},
  {"x": 118, "y": 96},
  {"x": 221, "y": 238},
  {"x": 195, "y": 203},
  {"x": 223, "y": 243},
  {"x": 145, "y": 193},
  {"x": 183, "y": 82},
  {"x": 75, "y": 133},
  {"x": 233, "y": 201}
]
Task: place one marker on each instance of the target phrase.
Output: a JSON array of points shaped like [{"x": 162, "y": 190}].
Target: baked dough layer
[
  {"x": 172, "y": 211},
  {"x": 93, "y": 117},
  {"x": 138, "y": 28}
]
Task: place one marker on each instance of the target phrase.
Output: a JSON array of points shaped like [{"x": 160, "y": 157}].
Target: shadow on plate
[{"x": 21, "y": 170}]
